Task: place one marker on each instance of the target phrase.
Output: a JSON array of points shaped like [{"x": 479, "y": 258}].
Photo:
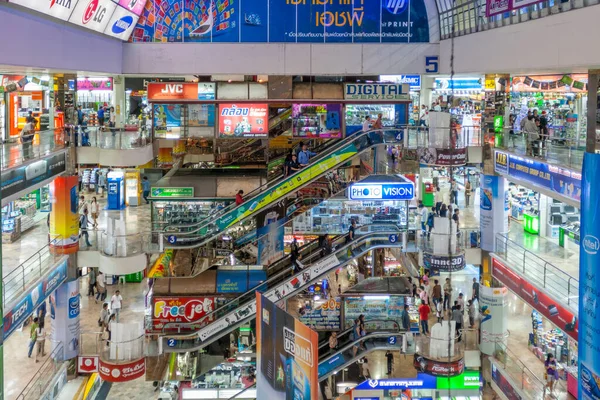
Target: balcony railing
[
  {"x": 44, "y": 376},
  {"x": 469, "y": 16},
  {"x": 111, "y": 138},
  {"x": 15, "y": 152}
]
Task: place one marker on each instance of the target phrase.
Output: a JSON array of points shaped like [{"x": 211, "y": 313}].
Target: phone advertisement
[
  {"x": 243, "y": 121},
  {"x": 288, "y": 355}
]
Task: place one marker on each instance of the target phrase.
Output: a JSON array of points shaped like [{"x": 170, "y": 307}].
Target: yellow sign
[{"x": 490, "y": 84}]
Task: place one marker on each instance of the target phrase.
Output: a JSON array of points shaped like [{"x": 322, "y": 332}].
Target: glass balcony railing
[
  {"x": 16, "y": 152},
  {"x": 111, "y": 138}
]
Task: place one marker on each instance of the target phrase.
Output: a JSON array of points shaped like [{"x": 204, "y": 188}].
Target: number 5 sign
[{"x": 432, "y": 64}]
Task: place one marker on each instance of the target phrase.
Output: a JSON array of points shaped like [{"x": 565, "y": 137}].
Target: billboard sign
[
  {"x": 288, "y": 355},
  {"x": 437, "y": 263},
  {"x": 122, "y": 372},
  {"x": 92, "y": 14},
  {"x": 377, "y": 91},
  {"x": 243, "y": 120},
  {"x": 121, "y": 24},
  {"x": 382, "y": 191},
  {"x": 183, "y": 310}
]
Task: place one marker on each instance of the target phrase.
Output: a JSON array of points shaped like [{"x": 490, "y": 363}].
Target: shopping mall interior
[{"x": 299, "y": 199}]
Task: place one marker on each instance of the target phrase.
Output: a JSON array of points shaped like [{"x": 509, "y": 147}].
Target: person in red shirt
[
  {"x": 424, "y": 317},
  {"x": 239, "y": 198}
]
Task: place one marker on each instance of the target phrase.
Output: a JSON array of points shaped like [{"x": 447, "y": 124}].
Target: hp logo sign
[{"x": 396, "y": 6}]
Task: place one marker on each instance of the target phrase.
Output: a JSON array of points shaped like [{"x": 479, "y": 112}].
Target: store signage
[
  {"x": 93, "y": 14},
  {"x": 460, "y": 83},
  {"x": 553, "y": 310},
  {"x": 376, "y": 91},
  {"x": 413, "y": 81},
  {"x": 174, "y": 91},
  {"x": 442, "y": 157},
  {"x": 134, "y": 6},
  {"x": 382, "y": 191},
  {"x": 317, "y": 120},
  {"x": 374, "y": 310},
  {"x": 468, "y": 380},
  {"x": 494, "y": 319},
  {"x": 239, "y": 281},
  {"x": 30, "y": 300},
  {"x": 93, "y": 84},
  {"x": 122, "y": 372},
  {"x": 495, "y": 7},
  {"x": 184, "y": 310},
  {"x": 243, "y": 120},
  {"x": 438, "y": 368},
  {"x": 292, "y": 21},
  {"x": 60, "y": 9},
  {"x": 87, "y": 364},
  {"x": 422, "y": 381},
  {"x": 21, "y": 178},
  {"x": 325, "y": 317},
  {"x": 437, "y": 263},
  {"x": 121, "y": 24},
  {"x": 559, "y": 180},
  {"x": 550, "y": 83},
  {"x": 170, "y": 192}
]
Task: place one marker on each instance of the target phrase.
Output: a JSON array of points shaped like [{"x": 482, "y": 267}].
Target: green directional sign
[{"x": 172, "y": 192}]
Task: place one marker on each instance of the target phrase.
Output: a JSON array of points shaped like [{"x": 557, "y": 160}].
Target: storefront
[
  {"x": 563, "y": 98},
  {"x": 463, "y": 98},
  {"x": 23, "y": 214},
  {"x": 126, "y": 183},
  {"x": 414, "y": 83},
  {"x": 93, "y": 93},
  {"x": 170, "y": 208}
]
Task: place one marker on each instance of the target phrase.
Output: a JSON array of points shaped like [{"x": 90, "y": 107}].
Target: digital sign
[
  {"x": 243, "y": 120},
  {"x": 382, "y": 191}
]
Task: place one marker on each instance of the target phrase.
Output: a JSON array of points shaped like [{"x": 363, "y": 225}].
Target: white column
[{"x": 118, "y": 99}]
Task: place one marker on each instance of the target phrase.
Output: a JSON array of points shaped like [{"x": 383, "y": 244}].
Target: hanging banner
[
  {"x": 270, "y": 231},
  {"x": 122, "y": 372},
  {"x": 494, "y": 318},
  {"x": 436, "y": 263},
  {"x": 288, "y": 355},
  {"x": 494, "y": 207},
  {"x": 589, "y": 297},
  {"x": 550, "y": 83},
  {"x": 442, "y": 157},
  {"x": 64, "y": 312},
  {"x": 326, "y": 317},
  {"x": 183, "y": 310},
  {"x": 437, "y": 367},
  {"x": 64, "y": 215}
]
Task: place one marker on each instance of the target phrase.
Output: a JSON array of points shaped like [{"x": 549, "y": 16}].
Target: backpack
[{"x": 430, "y": 220}]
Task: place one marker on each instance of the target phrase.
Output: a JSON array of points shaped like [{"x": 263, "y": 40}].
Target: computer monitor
[{"x": 569, "y": 210}]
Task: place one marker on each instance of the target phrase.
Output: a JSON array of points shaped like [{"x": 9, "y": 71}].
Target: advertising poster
[
  {"x": 243, "y": 120},
  {"x": 372, "y": 309},
  {"x": 64, "y": 215},
  {"x": 442, "y": 157},
  {"x": 166, "y": 117},
  {"x": 559, "y": 180},
  {"x": 17, "y": 179},
  {"x": 493, "y": 206},
  {"x": 437, "y": 264},
  {"x": 589, "y": 259},
  {"x": 552, "y": 309},
  {"x": 183, "y": 310},
  {"x": 65, "y": 318},
  {"x": 438, "y": 368},
  {"x": 316, "y": 120},
  {"x": 270, "y": 232},
  {"x": 283, "y": 188},
  {"x": 201, "y": 115},
  {"x": 288, "y": 355},
  {"x": 493, "y": 304},
  {"x": 277, "y": 21},
  {"x": 326, "y": 317},
  {"x": 20, "y": 311},
  {"x": 239, "y": 281}
]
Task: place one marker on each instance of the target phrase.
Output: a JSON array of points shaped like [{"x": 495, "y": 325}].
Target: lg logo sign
[
  {"x": 172, "y": 89},
  {"x": 94, "y": 11}
]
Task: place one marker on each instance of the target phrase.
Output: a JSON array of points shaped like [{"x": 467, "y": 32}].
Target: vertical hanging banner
[
  {"x": 589, "y": 259},
  {"x": 287, "y": 355},
  {"x": 64, "y": 216},
  {"x": 493, "y": 209},
  {"x": 494, "y": 318},
  {"x": 270, "y": 232},
  {"x": 64, "y": 312}
]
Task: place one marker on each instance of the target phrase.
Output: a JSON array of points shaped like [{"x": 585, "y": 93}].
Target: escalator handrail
[
  {"x": 350, "y": 245},
  {"x": 258, "y": 191},
  {"x": 271, "y": 279},
  {"x": 346, "y": 331}
]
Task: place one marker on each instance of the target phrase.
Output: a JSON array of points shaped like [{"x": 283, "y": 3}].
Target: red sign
[
  {"x": 181, "y": 309},
  {"x": 122, "y": 372},
  {"x": 243, "y": 120},
  {"x": 540, "y": 301},
  {"x": 87, "y": 364},
  {"x": 89, "y": 11},
  {"x": 168, "y": 91},
  {"x": 438, "y": 368}
]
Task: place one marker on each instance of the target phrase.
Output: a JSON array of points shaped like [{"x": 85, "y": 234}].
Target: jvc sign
[{"x": 382, "y": 191}]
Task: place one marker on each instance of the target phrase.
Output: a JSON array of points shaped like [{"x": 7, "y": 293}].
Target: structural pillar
[{"x": 119, "y": 99}]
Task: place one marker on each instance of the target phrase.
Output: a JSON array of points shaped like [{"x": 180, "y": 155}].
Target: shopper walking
[
  {"x": 454, "y": 191},
  {"x": 468, "y": 193},
  {"x": 83, "y": 205},
  {"x": 530, "y": 130},
  {"x": 366, "y": 126},
  {"x": 116, "y": 301},
  {"x": 27, "y": 135},
  {"x": 457, "y": 317},
  {"x": 239, "y": 197},
  {"x": 40, "y": 340},
  {"x": 437, "y": 293},
  {"x": 447, "y": 294},
  {"x": 91, "y": 282},
  {"x": 424, "y": 213},
  {"x": 95, "y": 210},
  {"x": 439, "y": 311},
  {"x": 111, "y": 319},
  {"x": 406, "y": 319},
  {"x": 101, "y": 287},
  {"x": 304, "y": 156},
  {"x": 112, "y": 122},
  {"x": 378, "y": 124},
  {"x": 424, "y": 318},
  {"x": 84, "y": 222},
  {"x": 146, "y": 189},
  {"x": 475, "y": 289},
  {"x": 102, "y": 183},
  {"x": 471, "y": 313},
  {"x": 33, "y": 335},
  {"x": 100, "y": 116},
  {"x": 551, "y": 372},
  {"x": 103, "y": 318}
]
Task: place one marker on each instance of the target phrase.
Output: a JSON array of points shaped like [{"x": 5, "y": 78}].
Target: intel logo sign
[
  {"x": 121, "y": 25},
  {"x": 384, "y": 191},
  {"x": 591, "y": 244}
]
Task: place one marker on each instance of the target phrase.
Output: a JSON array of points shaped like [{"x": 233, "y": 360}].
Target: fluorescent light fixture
[{"x": 383, "y": 297}]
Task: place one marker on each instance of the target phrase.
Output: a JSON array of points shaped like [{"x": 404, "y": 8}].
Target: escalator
[
  {"x": 279, "y": 287},
  {"x": 187, "y": 236}
]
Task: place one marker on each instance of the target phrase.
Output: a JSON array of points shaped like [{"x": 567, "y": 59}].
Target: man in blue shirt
[
  {"x": 101, "y": 116},
  {"x": 305, "y": 155},
  {"x": 146, "y": 189}
]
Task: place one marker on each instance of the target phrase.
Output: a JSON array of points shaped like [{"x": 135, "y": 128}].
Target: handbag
[{"x": 100, "y": 322}]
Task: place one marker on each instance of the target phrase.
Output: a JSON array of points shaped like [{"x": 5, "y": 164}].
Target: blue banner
[
  {"x": 33, "y": 298},
  {"x": 422, "y": 381},
  {"x": 589, "y": 296},
  {"x": 331, "y": 364},
  {"x": 239, "y": 281},
  {"x": 289, "y": 21},
  {"x": 493, "y": 209},
  {"x": 556, "y": 179}
]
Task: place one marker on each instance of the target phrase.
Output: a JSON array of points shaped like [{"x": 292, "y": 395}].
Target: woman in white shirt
[
  {"x": 94, "y": 209},
  {"x": 40, "y": 341}
]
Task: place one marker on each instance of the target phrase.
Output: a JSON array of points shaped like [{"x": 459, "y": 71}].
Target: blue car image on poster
[{"x": 280, "y": 21}]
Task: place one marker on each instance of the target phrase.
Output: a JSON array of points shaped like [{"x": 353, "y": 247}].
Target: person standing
[
  {"x": 103, "y": 319},
  {"x": 82, "y": 203},
  {"x": 390, "y": 361},
  {"x": 146, "y": 189},
  {"x": 406, "y": 319},
  {"x": 333, "y": 343},
  {"x": 116, "y": 301},
  {"x": 530, "y": 130},
  {"x": 424, "y": 318},
  {"x": 79, "y": 116},
  {"x": 457, "y": 317},
  {"x": 101, "y": 116},
  {"x": 454, "y": 191},
  {"x": 111, "y": 318},
  {"x": 27, "y": 135},
  {"x": 424, "y": 117},
  {"x": 101, "y": 287},
  {"x": 551, "y": 371},
  {"x": 471, "y": 313},
  {"x": 40, "y": 341},
  {"x": 366, "y": 126},
  {"x": 456, "y": 218},
  {"x": 355, "y": 336},
  {"x": 437, "y": 293},
  {"x": 468, "y": 193},
  {"x": 239, "y": 197},
  {"x": 33, "y": 335},
  {"x": 447, "y": 294},
  {"x": 461, "y": 302},
  {"x": 439, "y": 311},
  {"x": 351, "y": 231},
  {"x": 83, "y": 225},
  {"x": 102, "y": 183},
  {"x": 424, "y": 214},
  {"x": 304, "y": 156},
  {"x": 475, "y": 289},
  {"x": 95, "y": 209},
  {"x": 41, "y": 313},
  {"x": 378, "y": 124},
  {"x": 91, "y": 282}
]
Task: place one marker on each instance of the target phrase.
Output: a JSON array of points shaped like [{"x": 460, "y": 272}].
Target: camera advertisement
[{"x": 243, "y": 121}]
